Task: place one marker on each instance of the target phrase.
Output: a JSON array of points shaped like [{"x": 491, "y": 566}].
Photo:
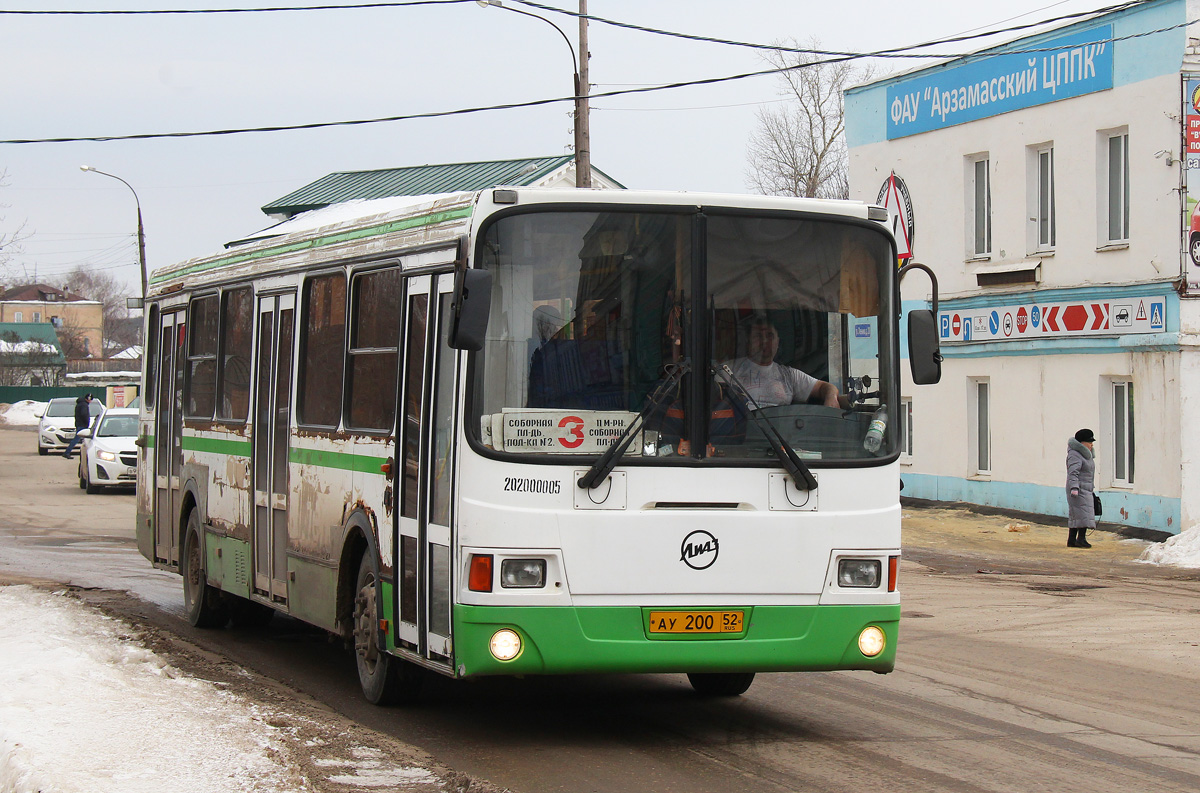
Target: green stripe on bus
[
  {"x": 216, "y": 446},
  {"x": 348, "y": 462},
  {"x": 319, "y": 242},
  {"x": 594, "y": 639}
]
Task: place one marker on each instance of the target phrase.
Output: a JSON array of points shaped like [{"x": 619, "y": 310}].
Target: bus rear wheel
[
  {"x": 202, "y": 603},
  {"x": 385, "y": 679},
  {"x": 721, "y": 684}
]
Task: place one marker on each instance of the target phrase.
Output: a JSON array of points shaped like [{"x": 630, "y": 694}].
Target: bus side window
[
  {"x": 237, "y": 314},
  {"x": 201, "y": 358},
  {"x": 322, "y": 350},
  {"x": 374, "y": 349}
]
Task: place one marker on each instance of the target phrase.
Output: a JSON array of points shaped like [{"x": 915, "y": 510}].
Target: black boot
[
  {"x": 1081, "y": 541},
  {"x": 1072, "y": 538}
]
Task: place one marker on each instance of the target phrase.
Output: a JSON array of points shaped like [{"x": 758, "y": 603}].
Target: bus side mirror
[
  {"x": 470, "y": 310},
  {"x": 924, "y": 353}
]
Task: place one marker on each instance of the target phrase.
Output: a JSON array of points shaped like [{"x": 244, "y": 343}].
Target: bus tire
[
  {"x": 385, "y": 679},
  {"x": 720, "y": 684},
  {"x": 249, "y": 614},
  {"x": 202, "y": 603}
]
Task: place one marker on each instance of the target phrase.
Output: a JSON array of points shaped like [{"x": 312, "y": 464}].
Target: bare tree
[
  {"x": 98, "y": 285},
  {"x": 10, "y": 241},
  {"x": 799, "y": 147}
]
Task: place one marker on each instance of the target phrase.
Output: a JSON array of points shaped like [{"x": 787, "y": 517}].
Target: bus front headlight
[
  {"x": 523, "y": 573},
  {"x": 871, "y": 641},
  {"x": 859, "y": 573},
  {"x": 505, "y": 644}
]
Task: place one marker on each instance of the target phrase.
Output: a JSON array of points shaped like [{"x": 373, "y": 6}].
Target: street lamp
[
  {"x": 583, "y": 154},
  {"x": 141, "y": 234}
]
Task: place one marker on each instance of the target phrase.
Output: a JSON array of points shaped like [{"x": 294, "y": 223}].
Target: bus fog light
[
  {"x": 505, "y": 644},
  {"x": 871, "y": 641},
  {"x": 523, "y": 573},
  {"x": 862, "y": 573}
]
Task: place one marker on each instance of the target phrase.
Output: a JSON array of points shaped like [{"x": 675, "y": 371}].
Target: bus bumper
[{"x": 562, "y": 640}]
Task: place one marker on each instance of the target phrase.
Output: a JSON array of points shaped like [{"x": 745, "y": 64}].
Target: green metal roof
[
  {"x": 40, "y": 332},
  {"x": 416, "y": 180}
]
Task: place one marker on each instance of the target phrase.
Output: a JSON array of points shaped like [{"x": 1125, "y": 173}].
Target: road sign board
[{"x": 1046, "y": 320}]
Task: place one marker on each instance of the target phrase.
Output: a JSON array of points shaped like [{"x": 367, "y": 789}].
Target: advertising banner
[
  {"x": 1191, "y": 134},
  {"x": 989, "y": 85}
]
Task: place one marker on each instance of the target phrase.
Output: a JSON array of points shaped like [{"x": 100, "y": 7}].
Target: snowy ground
[{"x": 85, "y": 707}]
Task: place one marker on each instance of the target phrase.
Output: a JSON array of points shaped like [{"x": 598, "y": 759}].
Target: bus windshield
[{"x": 595, "y": 316}]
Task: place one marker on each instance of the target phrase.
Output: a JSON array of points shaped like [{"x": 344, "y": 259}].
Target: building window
[
  {"x": 980, "y": 203},
  {"x": 1122, "y": 432},
  {"x": 18, "y": 316},
  {"x": 905, "y": 429},
  {"x": 37, "y": 316},
  {"x": 1044, "y": 208},
  {"x": 1118, "y": 187},
  {"x": 981, "y": 433}
]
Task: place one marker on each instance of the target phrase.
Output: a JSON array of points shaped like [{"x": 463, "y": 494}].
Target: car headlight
[
  {"x": 107, "y": 456},
  {"x": 859, "y": 573},
  {"x": 523, "y": 573}
]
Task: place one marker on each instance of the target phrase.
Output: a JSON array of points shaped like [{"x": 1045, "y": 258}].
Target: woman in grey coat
[{"x": 1081, "y": 477}]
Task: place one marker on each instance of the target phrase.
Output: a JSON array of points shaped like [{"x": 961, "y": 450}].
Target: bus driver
[{"x": 771, "y": 383}]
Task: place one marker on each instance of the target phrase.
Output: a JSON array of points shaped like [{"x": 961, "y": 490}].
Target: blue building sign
[{"x": 1060, "y": 68}]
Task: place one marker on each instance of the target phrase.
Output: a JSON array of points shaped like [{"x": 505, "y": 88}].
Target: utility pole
[{"x": 583, "y": 137}]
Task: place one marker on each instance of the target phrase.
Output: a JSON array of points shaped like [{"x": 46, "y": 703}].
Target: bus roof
[{"x": 367, "y": 228}]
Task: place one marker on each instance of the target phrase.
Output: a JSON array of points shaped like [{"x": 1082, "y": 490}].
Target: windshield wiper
[
  {"x": 795, "y": 466},
  {"x": 666, "y": 390}
]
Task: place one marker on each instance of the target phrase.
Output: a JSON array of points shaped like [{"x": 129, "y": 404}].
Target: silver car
[
  {"x": 108, "y": 455},
  {"x": 56, "y": 425}
]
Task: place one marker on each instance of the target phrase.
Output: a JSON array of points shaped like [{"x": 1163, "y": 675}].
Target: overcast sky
[{"x": 83, "y": 76}]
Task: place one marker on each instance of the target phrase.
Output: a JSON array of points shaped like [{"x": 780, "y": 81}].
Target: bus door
[
  {"x": 427, "y": 392},
  {"x": 168, "y": 435},
  {"x": 272, "y": 419}
]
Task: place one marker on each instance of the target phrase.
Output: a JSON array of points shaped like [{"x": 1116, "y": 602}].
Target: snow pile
[
  {"x": 85, "y": 709},
  {"x": 23, "y": 412},
  {"x": 26, "y": 348},
  {"x": 1182, "y": 550}
]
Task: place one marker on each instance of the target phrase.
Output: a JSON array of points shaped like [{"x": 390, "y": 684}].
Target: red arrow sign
[
  {"x": 1099, "y": 316},
  {"x": 1051, "y": 321}
]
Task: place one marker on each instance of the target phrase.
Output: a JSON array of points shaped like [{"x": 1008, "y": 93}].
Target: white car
[
  {"x": 108, "y": 454},
  {"x": 56, "y": 425}
]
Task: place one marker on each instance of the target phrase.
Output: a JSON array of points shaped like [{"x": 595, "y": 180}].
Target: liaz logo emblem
[{"x": 699, "y": 550}]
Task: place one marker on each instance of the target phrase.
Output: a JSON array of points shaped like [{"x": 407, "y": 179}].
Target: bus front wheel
[
  {"x": 720, "y": 684},
  {"x": 201, "y": 602},
  {"x": 385, "y": 679}
]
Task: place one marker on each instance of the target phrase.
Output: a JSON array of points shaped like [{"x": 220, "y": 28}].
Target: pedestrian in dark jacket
[
  {"x": 83, "y": 418},
  {"x": 1081, "y": 478}
]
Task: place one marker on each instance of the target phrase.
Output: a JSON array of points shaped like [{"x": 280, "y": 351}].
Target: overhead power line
[
  {"x": 809, "y": 51},
  {"x": 263, "y": 10},
  {"x": 833, "y": 58}
]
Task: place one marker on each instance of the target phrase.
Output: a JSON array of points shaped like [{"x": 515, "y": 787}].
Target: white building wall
[{"x": 1043, "y": 390}]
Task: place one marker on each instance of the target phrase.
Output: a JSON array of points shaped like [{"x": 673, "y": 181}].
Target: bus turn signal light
[
  {"x": 893, "y": 572},
  {"x": 480, "y": 577}
]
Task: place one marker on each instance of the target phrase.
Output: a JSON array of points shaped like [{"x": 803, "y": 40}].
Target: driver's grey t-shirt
[{"x": 774, "y": 384}]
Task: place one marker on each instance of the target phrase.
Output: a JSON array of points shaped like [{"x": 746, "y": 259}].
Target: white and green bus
[{"x": 510, "y": 432}]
